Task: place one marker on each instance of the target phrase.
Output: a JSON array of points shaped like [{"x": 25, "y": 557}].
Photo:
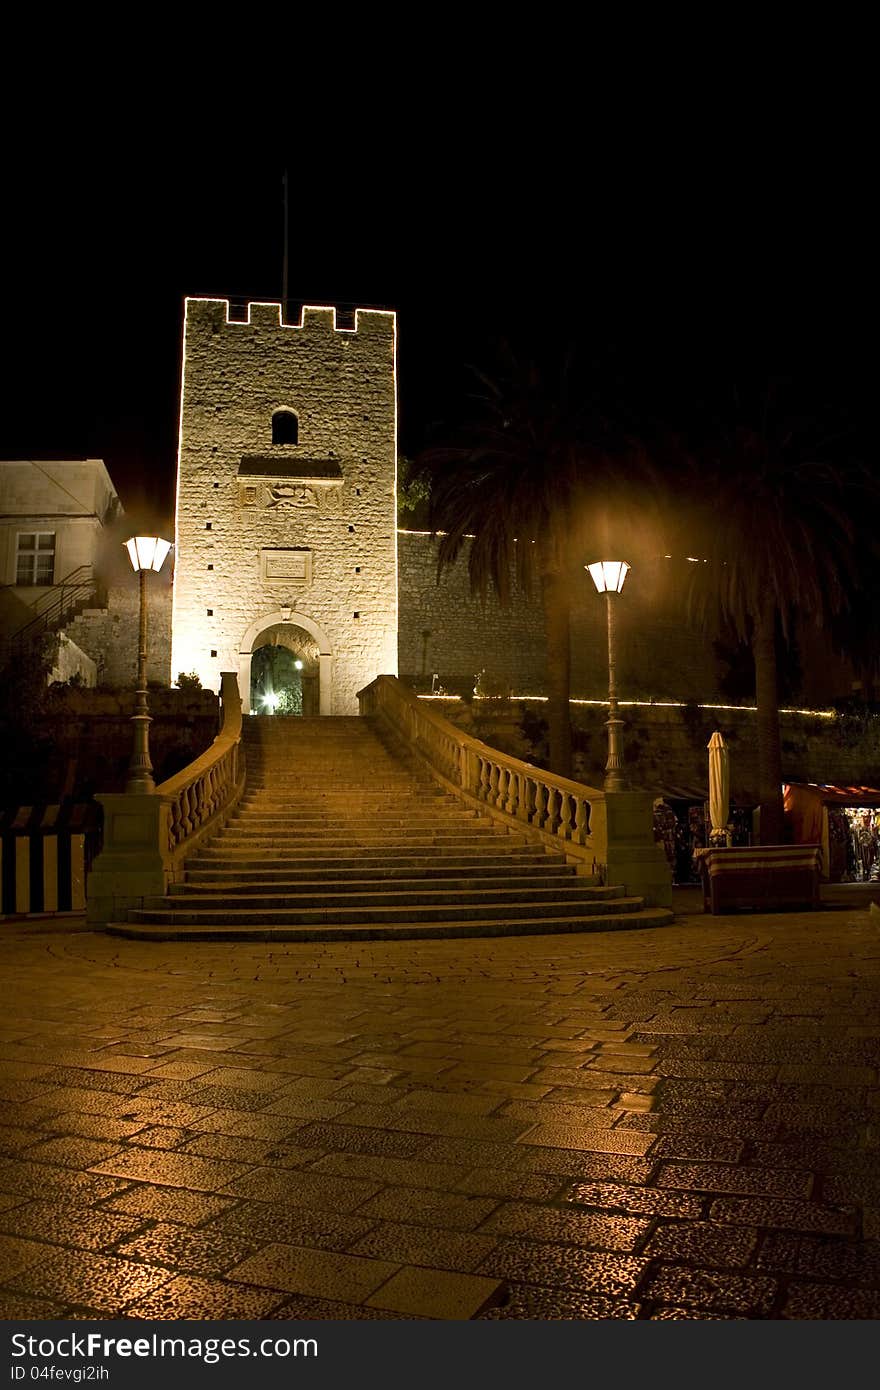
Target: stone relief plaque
[{"x": 282, "y": 495}]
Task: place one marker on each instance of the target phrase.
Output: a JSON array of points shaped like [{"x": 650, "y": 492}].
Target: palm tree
[
  {"x": 526, "y": 478},
  {"x": 769, "y": 523}
]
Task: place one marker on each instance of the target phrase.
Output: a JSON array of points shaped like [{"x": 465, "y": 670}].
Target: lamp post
[
  {"x": 146, "y": 553},
  {"x": 608, "y": 577}
]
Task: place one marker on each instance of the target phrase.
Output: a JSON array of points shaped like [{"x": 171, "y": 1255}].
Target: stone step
[
  {"x": 500, "y": 852},
  {"x": 169, "y": 911},
  {"x": 402, "y": 930},
  {"x": 235, "y": 898},
  {"x": 365, "y": 832},
  {"x": 218, "y": 878},
  {"x": 301, "y": 820}
]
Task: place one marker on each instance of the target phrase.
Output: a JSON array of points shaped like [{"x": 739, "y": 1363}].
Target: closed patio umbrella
[{"x": 719, "y": 789}]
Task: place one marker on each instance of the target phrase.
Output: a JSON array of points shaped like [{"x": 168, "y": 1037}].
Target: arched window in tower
[{"x": 285, "y": 427}]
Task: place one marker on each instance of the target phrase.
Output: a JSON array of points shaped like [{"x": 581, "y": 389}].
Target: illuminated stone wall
[
  {"x": 660, "y": 656},
  {"x": 444, "y": 629},
  {"x": 302, "y": 532}
]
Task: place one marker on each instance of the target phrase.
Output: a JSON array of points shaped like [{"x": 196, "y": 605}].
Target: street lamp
[
  {"x": 608, "y": 577},
  {"x": 145, "y": 553}
]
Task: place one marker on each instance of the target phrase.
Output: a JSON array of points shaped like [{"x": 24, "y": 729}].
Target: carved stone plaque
[{"x": 287, "y": 566}]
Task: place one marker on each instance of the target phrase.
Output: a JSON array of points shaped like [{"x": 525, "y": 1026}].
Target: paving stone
[
  {"x": 528, "y": 1301},
  {"x": 703, "y": 1148},
  {"x": 172, "y": 1169},
  {"x": 266, "y": 1222},
  {"x": 361, "y": 1139},
  {"x": 12, "y": 1140},
  {"x": 508, "y": 1182},
  {"x": 86, "y": 1126},
  {"x": 852, "y": 1187},
  {"x": 294, "y": 1188},
  {"x": 86, "y": 1228},
  {"x": 408, "y": 1172},
  {"x": 565, "y": 1266},
  {"x": 93, "y": 1080},
  {"x": 830, "y": 1301},
  {"x": 702, "y": 1243},
  {"x": 319, "y": 1273},
  {"x": 424, "y": 1245},
  {"x": 72, "y": 1152},
  {"x": 790, "y": 1216},
  {"x": 304, "y": 1309},
  {"x": 436, "y": 1293},
  {"x": 180, "y": 1068},
  {"x": 544, "y": 1223},
  {"x": 17, "y": 1307},
  {"x": 232, "y": 1098},
  {"x": 549, "y": 1112},
  {"x": 18, "y": 1255},
  {"x": 717, "y": 1291},
  {"x": 36, "y": 1179},
  {"x": 169, "y": 1204},
  {"x": 78, "y": 1277},
  {"x": 821, "y": 1258},
  {"x": 649, "y": 1201},
  {"x": 581, "y": 1137},
  {"x": 718, "y": 1177},
  {"x": 196, "y": 1251},
  {"x": 446, "y": 1210},
  {"x": 206, "y": 1300},
  {"x": 254, "y": 1152},
  {"x": 160, "y": 1137},
  {"x": 672, "y": 1314},
  {"x": 258, "y": 1125},
  {"x": 474, "y": 1153},
  {"x": 247, "y": 1079}
]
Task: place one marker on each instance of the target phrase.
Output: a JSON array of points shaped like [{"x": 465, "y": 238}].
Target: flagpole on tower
[{"x": 284, "y": 280}]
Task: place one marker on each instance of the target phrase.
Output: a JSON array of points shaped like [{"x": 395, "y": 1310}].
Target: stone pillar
[
  {"x": 133, "y": 864},
  {"x": 622, "y": 825}
]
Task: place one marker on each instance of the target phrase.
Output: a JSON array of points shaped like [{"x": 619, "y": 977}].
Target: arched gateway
[
  {"x": 308, "y": 674},
  {"x": 286, "y": 504}
]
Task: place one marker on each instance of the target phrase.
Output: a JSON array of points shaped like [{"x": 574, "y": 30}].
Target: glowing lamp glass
[
  {"x": 608, "y": 575},
  {"x": 270, "y": 701},
  {"x": 298, "y": 665},
  {"x": 147, "y": 552}
]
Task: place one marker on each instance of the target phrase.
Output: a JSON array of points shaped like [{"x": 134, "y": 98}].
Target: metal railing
[{"x": 60, "y": 602}]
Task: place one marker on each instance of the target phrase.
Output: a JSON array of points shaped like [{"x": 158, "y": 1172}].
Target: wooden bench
[{"x": 763, "y": 878}]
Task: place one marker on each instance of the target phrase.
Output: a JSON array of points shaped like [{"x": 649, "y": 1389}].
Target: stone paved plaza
[{"x": 672, "y": 1124}]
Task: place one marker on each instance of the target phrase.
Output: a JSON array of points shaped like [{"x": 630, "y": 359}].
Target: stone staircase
[{"x": 339, "y": 836}]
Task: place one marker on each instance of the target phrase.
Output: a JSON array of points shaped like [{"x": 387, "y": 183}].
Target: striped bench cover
[{"x": 764, "y": 877}]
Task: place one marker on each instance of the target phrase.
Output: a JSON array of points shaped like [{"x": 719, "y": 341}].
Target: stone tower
[{"x": 286, "y": 505}]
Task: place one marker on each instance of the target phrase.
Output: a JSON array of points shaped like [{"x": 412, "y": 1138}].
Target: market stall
[{"x": 845, "y": 821}]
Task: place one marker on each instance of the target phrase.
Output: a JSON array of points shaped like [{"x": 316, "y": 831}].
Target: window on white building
[{"x": 35, "y": 558}]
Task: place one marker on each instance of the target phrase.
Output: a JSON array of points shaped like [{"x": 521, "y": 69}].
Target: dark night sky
[{"x": 687, "y": 254}]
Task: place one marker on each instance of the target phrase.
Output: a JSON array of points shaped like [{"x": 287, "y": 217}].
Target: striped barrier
[{"x": 45, "y": 856}]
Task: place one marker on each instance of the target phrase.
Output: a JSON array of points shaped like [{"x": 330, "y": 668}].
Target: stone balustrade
[
  {"x": 609, "y": 834},
  {"x": 555, "y": 806},
  {"x": 198, "y": 793},
  {"x": 147, "y": 835}
]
